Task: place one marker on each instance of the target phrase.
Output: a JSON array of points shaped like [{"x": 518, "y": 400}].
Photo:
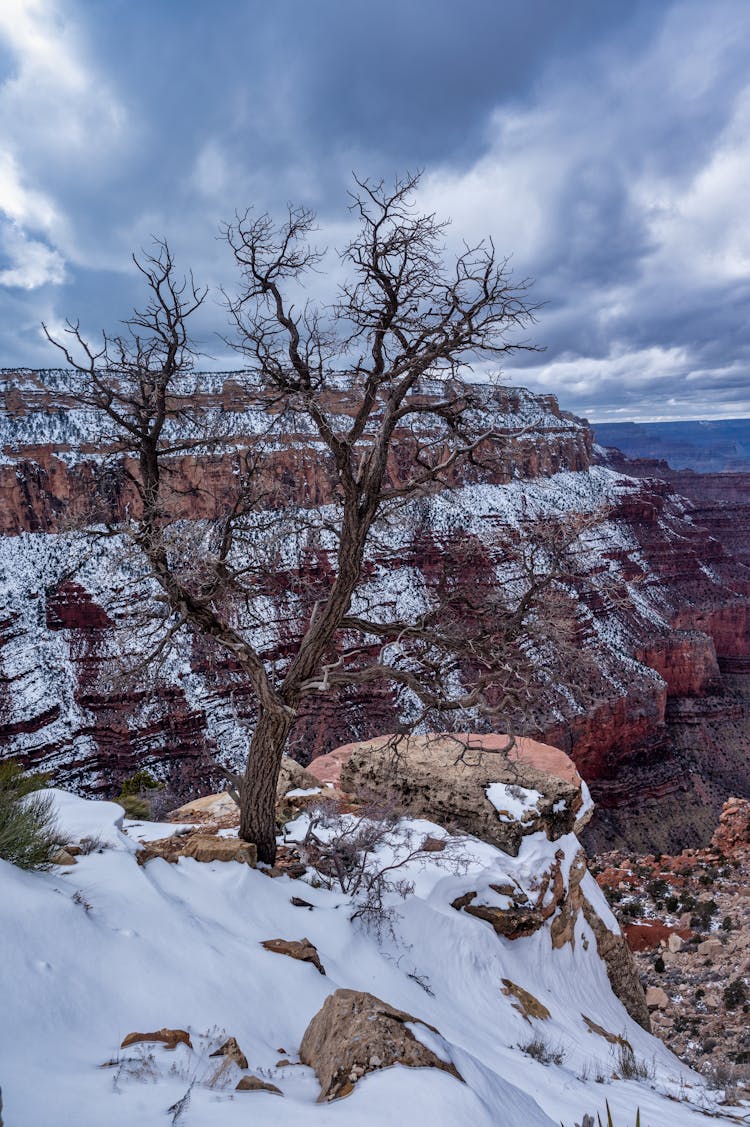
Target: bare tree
[{"x": 378, "y": 380}]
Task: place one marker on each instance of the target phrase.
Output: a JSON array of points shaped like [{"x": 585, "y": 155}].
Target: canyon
[{"x": 656, "y": 716}]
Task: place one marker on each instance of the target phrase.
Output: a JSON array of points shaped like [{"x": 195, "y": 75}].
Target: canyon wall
[{"x": 655, "y": 718}]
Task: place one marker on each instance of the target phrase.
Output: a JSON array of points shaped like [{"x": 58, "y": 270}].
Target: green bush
[
  {"x": 133, "y": 796},
  {"x": 28, "y": 829}
]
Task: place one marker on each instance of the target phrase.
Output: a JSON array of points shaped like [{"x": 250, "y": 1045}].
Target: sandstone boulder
[
  {"x": 201, "y": 847},
  {"x": 484, "y": 785},
  {"x": 647, "y": 935},
  {"x": 301, "y": 949},
  {"x": 356, "y": 1033}
]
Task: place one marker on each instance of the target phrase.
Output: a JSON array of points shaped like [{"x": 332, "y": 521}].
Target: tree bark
[{"x": 258, "y": 784}]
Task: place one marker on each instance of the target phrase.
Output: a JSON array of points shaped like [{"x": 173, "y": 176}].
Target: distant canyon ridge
[{"x": 658, "y": 724}]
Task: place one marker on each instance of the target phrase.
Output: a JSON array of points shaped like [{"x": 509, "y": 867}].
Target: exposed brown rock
[
  {"x": 523, "y": 917},
  {"x": 356, "y": 1033},
  {"x": 613, "y": 1038},
  {"x": 255, "y": 1084},
  {"x": 231, "y": 1050},
  {"x": 199, "y": 846},
  {"x": 621, "y": 967},
  {"x": 526, "y": 1004},
  {"x": 169, "y": 1037},
  {"x": 301, "y": 949},
  {"x": 63, "y": 857}
]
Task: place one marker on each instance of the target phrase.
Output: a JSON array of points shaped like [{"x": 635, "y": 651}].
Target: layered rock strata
[{"x": 655, "y": 718}]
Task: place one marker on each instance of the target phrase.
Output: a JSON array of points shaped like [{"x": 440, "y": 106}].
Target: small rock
[
  {"x": 656, "y": 998},
  {"x": 301, "y": 949},
  {"x": 169, "y": 1037},
  {"x": 255, "y": 1084},
  {"x": 298, "y": 902},
  {"x": 231, "y": 1049},
  {"x": 710, "y": 949},
  {"x": 63, "y": 857},
  {"x": 675, "y": 943}
]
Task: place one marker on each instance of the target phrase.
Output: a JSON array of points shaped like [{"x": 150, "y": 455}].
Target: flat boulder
[
  {"x": 356, "y": 1033},
  {"x": 489, "y": 785},
  {"x": 200, "y": 847}
]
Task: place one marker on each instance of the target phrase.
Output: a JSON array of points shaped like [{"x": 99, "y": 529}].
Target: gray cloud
[{"x": 606, "y": 146}]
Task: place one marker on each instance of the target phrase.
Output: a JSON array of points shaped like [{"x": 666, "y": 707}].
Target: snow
[
  {"x": 513, "y": 803},
  {"x": 95, "y": 951}
]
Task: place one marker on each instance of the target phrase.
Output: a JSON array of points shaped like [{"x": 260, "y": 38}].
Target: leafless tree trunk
[{"x": 398, "y": 342}]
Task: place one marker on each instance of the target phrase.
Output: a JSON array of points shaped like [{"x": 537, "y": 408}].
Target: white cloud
[
  {"x": 59, "y": 123},
  {"x": 32, "y": 262},
  {"x": 21, "y": 204}
]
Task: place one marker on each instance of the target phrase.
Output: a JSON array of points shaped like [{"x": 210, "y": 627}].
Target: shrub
[
  {"x": 657, "y": 889},
  {"x": 134, "y": 792},
  {"x": 28, "y": 829},
  {"x": 735, "y": 994},
  {"x": 540, "y": 1049},
  {"x": 628, "y": 1064}
]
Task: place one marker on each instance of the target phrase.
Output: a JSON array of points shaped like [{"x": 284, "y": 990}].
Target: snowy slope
[{"x": 93, "y": 952}]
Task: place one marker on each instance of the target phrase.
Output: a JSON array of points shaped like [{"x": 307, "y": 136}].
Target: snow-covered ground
[{"x": 95, "y": 951}]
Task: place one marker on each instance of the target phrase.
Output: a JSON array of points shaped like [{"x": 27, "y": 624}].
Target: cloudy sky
[{"x": 605, "y": 146}]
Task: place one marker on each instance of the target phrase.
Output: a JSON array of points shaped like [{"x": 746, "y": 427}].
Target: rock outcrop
[
  {"x": 356, "y": 1033},
  {"x": 170, "y": 1038},
  {"x": 733, "y": 830},
  {"x": 490, "y": 786},
  {"x": 204, "y": 847}
]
